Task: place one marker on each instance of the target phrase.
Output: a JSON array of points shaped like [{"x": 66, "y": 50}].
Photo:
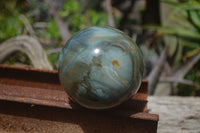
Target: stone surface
[
  {"x": 100, "y": 67},
  {"x": 177, "y": 114}
]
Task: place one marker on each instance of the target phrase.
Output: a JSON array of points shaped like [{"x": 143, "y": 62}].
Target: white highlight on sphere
[{"x": 96, "y": 51}]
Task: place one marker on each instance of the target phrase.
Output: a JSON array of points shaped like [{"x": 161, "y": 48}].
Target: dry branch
[
  {"x": 156, "y": 72},
  {"x": 47, "y": 41},
  {"x": 28, "y": 45},
  {"x": 108, "y": 8},
  {"x": 55, "y": 50},
  {"x": 64, "y": 31},
  {"x": 27, "y": 25},
  {"x": 185, "y": 68},
  {"x": 178, "y": 80},
  {"x": 179, "y": 74}
]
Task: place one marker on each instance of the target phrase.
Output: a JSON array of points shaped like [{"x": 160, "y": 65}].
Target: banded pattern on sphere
[{"x": 100, "y": 67}]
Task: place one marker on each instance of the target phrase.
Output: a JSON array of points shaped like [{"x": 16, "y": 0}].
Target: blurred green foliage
[
  {"x": 98, "y": 18},
  {"x": 73, "y": 15},
  {"x": 9, "y": 17},
  {"x": 186, "y": 23},
  {"x": 181, "y": 31},
  {"x": 52, "y": 31},
  {"x": 183, "y": 25}
]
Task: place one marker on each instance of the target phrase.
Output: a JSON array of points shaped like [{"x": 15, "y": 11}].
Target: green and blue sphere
[{"x": 100, "y": 67}]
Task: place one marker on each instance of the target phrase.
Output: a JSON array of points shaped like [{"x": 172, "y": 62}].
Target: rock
[{"x": 177, "y": 114}]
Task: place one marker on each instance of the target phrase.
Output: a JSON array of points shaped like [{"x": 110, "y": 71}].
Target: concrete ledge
[{"x": 177, "y": 114}]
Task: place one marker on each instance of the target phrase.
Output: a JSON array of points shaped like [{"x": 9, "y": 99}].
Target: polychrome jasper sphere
[{"x": 100, "y": 67}]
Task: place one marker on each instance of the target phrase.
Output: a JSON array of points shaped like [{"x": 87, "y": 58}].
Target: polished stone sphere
[{"x": 100, "y": 67}]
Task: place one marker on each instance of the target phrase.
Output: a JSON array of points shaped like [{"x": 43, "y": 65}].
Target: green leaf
[
  {"x": 179, "y": 32},
  {"x": 179, "y": 20},
  {"x": 195, "y": 18},
  {"x": 192, "y": 52},
  {"x": 178, "y": 56},
  {"x": 172, "y": 44}
]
